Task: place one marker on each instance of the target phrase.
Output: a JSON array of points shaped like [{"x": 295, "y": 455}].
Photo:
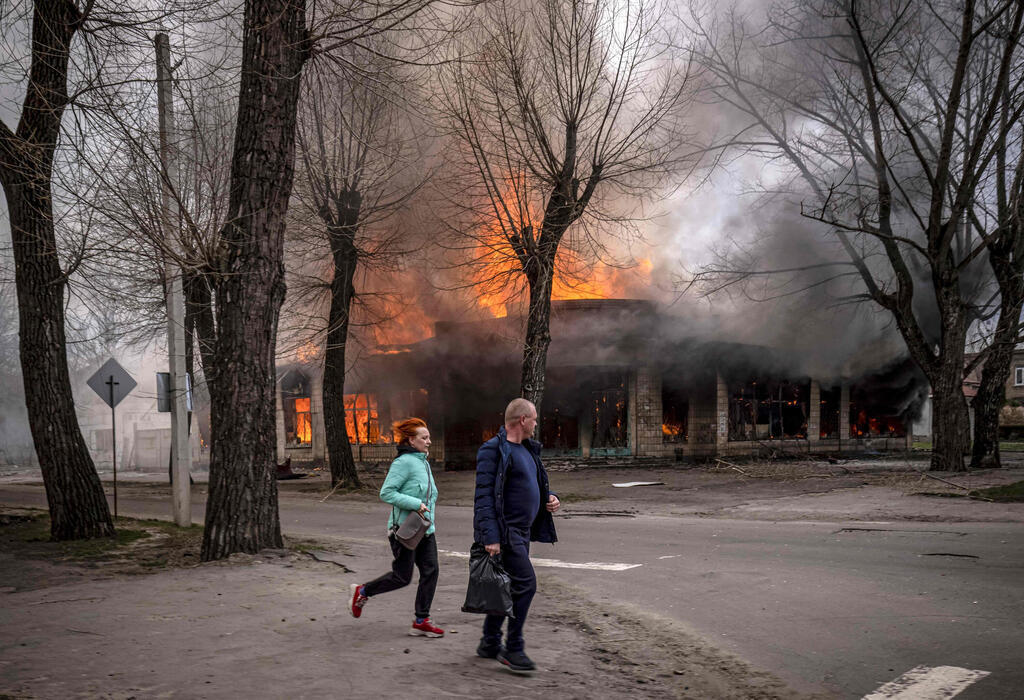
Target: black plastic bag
[{"x": 490, "y": 589}]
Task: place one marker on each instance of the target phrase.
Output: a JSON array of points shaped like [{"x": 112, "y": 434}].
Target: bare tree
[
  {"x": 999, "y": 218},
  {"x": 230, "y": 243},
  {"x": 78, "y": 507},
  {"x": 887, "y": 113},
  {"x": 241, "y": 513},
  {"x": 360, "y": 163},
  {"x": 124, "y": 200},
  {"x": 566, "y": 107},
  {"x": 84, "y": 44}
]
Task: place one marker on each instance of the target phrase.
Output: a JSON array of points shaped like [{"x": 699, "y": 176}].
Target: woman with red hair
[{"x": 409, "y": 486}]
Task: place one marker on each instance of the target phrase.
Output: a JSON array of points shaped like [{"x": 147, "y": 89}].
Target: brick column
[
  {"x": 648, "y": 412},
  {"x": 316, "y": 408},
  {"x": 844, "y": 412},
  {"x": 632, "y": 412},
  {"x": 721, "y": 412},
  {"x": 814, "y": 413},
  {"x": 279, "y": 410},
  {"x": 692, "y": 416}
]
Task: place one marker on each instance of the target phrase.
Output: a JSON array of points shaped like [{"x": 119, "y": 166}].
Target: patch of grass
[
  {"x": 35, "y": 530},
  {"x": 137, "y": 545},
  {"x": 1008, "y": 493}
]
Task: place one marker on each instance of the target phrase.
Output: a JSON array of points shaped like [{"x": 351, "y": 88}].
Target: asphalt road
[{"x": 832, "y": 608}]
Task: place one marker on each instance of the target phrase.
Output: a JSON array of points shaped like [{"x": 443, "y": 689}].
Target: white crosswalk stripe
[
  {"x": 559, "y": 564},
  {"x": 928, "y": 683}
]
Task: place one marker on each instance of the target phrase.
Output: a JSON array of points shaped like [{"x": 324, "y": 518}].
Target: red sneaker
[
  {"x": 358, "y": 600},
  {"x": 425, "y": 629}
]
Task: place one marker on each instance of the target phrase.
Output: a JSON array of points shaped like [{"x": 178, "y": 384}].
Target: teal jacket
[{"x": 405, "y": 487}]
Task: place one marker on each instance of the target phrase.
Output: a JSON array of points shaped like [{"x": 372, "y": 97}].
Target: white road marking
[
  {"x": 558, "y": 564},
  {"x": 928, "y": 683},
  {"x": 669, "y": 556}
]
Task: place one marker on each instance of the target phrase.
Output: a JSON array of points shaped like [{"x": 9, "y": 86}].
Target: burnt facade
[{"x": 622, "y": 382}]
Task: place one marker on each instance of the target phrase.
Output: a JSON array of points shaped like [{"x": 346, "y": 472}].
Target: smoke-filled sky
[{"x": 679, "y": 235}]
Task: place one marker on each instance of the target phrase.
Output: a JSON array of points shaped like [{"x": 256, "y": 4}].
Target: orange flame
[
  {"x": 308, "y": 352},
  {"x": 303, "y": 424},
  {"x": 362, "y": 421},
  {"x": 496, "y": 280},
  {"x": 497, "y": 264}
]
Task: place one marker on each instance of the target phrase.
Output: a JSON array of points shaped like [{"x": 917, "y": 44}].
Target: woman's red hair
[{"x": 406, "y": 429}]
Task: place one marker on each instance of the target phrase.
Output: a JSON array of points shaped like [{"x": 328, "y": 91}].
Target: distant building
[
  {"x": 623, "y": 383},
  {"x": 143, "y": 433},
  {"x": 1011, "y": 417}
]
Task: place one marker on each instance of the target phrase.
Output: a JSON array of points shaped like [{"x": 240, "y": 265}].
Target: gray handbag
[{"x": 414, "y": 527}]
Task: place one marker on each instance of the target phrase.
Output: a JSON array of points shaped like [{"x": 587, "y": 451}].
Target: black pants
[
  {"x": 425, "y": 559},
  {"x": 515, "y": 558}
]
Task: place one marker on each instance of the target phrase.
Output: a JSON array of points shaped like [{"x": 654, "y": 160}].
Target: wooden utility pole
[{"x": 180, "y": 453}]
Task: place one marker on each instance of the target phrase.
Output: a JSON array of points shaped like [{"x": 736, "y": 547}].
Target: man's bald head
[{"x": 519, "y": 408}]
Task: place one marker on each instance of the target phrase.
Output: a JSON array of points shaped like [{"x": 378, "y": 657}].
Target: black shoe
[
  {"x": 487, "y": 651},
  {"x": 516, "y": 660}
]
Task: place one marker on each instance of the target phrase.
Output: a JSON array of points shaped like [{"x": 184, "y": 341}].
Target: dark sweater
[{"x": 522, "y": 489}]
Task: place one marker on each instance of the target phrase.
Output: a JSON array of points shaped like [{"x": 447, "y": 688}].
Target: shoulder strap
[{"x": 430, "y": 481}]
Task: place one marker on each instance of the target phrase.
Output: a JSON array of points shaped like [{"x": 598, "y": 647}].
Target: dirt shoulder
[{"x": 142, "y": 618}]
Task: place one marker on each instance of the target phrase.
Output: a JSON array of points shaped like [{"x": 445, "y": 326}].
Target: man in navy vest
[{"x": 512, "y": 507}]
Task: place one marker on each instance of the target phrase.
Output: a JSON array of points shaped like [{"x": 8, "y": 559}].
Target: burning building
[{"x": 624, "y": 381}]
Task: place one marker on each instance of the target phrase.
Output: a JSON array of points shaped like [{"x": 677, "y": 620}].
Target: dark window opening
[
  {"x": 368, "y": 419},
  {"x": 298, "y": 415},
  {"x": 875, "y": 406},
  {"x": 608, "y": 410},
  {"x": 559, "y": 428},
  {"x": 865, "y": 423},
  {"x": 872, "y": 416},
  {"x": 362, "y": 420},
  {"x": 829, "y": 419},
  {"x": 769, "y": 410},
  {"x": 675, "y": 414},
  {"x": 560, "y": 431}
]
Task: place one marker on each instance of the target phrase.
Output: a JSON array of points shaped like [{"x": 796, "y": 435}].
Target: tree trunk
[
  {"x": 951, "y": 425},
  {"x": 200, "y": 328},
  {"x": 345, "y": 255},
  {"x": 242, "y": 511},
  {"x": 74, "y": 494},
  {"x": 1005, "y": 261},
  {"x": 540, "y": 275},
  {"x": 950, "y": 416},
  {"x": 989, "y": 402}
]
